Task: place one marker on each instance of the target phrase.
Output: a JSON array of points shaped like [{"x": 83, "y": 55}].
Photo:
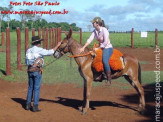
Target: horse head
[{"x": 65, "y": 45}]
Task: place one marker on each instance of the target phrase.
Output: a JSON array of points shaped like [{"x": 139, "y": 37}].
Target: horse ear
[
  {"x": 69, "y": 34},
  {"x": 66, "y": 33}
]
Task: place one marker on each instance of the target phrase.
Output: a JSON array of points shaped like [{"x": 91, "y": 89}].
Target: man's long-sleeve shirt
[{"x": 36, "y": 52}]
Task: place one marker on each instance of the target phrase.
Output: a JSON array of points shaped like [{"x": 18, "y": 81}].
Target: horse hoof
[
  {"x": 83, "y": 113},
  {"x": 141, "y": 110},
  {"x": 80, "y": 109}
]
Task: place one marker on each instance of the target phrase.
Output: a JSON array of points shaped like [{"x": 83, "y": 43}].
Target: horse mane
[
  {"x": 78, "y": 45},
  {"x": 74, "y": 47}
]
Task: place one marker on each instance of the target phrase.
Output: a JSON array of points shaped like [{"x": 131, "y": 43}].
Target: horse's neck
[{"x": 74, "y": 47}]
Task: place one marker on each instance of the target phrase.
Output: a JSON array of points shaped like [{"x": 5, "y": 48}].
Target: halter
[{"x": 67, "y": 45}]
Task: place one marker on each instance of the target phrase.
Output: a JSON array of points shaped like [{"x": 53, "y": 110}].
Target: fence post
[
  {"x": 56, "y": 37},
  {"x": 3, "y": 39},
  {"x": 8, "y": 58},
  {"x": 33, "y": 31},
  {"x": 39, "y": 32},
  {"x": 46, "y": 38},
  {"x": 18, "y": 48},
  {"x": 81, "y": 36},
  {"x": 156, "y": 38},
  {"x": 26, "y": 39},
  {"x": 43, "y": 36},
  {"x": 59, "y": 34},
  {"x": 132, "y": 39},
  {"x": 53, "y": 37},
  {"x": 50, "y": 38}
]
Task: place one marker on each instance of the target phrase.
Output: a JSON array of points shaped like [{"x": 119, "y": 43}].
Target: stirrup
[{"x": 99, "y": 78}]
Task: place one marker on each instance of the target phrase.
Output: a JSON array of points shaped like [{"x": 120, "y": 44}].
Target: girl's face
[{"x": 95, "y": 25}]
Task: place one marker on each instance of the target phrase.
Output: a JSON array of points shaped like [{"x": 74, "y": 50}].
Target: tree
[
  {"x": 9, "y": 8},
  {"x": 1, "y": 17},
  {"x": 30, "y": 18},
  {"x": 22, "y": 18},
  {"x": 89, "y": 27},
  {"x": 107, "y": 26},
  {"x": 36, "y": 22},
  {"x": 14, "y": 24},
  {"x": 43, "y": 22}
]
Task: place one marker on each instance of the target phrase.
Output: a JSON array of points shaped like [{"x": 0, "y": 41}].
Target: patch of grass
[
  {"x": 143, "y": 62},
  {"x": 60, "y": 70}
]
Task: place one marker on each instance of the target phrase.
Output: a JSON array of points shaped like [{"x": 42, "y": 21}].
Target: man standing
[{"x": 34, "y": 61}]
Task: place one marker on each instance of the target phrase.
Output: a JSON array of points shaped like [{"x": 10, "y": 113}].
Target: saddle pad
[{"x": 114, "y": 62}]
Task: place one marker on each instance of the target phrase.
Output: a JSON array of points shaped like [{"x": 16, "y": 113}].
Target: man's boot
[
  {"x": 35, "y": 108},
  {"x": 108, "y": 75},
  {"x": 28, "y": 106}
]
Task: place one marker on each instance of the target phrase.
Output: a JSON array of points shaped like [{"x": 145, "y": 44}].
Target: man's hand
[{"x": 59, "y": 43}]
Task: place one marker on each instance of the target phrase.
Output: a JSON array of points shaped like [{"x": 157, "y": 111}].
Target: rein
[{"x": 80, "y": 55}]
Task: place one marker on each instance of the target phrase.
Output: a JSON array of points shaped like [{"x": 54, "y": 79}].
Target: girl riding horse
[
  {"x": 131, "y": 70},
  {"x": 102, "y": 35}
]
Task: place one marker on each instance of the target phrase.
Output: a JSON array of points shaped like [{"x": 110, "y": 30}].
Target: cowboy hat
[
  {"x": 96, "y": 19},
  {"x": 36, "y": 39}
]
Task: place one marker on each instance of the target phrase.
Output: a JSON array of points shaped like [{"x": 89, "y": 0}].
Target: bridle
[
  {"x": 66, "y": 46},
  {"x": 60, "y": 52}
]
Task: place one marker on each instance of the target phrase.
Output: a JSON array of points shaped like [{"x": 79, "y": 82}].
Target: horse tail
[{"x": 139, "y": 72}]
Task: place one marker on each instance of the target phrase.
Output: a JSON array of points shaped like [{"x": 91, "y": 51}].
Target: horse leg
[
  {"x": 87, "y": 75},
  {"x": 136, "y": 84},
  {"x": 86, "y": 94}
]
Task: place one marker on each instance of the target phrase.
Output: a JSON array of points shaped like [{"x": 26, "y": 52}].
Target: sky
[{"x": 119, "y": 15}]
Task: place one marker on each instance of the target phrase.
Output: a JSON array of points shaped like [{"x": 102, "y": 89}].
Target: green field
[{"x": 61, "y": 71}]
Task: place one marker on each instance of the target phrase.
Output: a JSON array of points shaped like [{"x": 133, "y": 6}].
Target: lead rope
[
  {"x": 80, "y": 55},
  {"x": 50, "y": 63}
]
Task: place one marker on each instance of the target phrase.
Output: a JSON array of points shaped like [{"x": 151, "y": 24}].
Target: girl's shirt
[{"x": 102, "y": 36}]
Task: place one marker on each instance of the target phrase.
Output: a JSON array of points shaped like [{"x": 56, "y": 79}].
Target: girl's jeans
[{"x": 107, "y": 52}]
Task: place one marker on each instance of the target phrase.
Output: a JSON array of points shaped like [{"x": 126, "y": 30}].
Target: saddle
[{"x": 116, "y": 63}]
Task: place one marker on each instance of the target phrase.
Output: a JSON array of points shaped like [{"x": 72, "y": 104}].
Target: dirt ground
[{"x": 60, "y": 102}]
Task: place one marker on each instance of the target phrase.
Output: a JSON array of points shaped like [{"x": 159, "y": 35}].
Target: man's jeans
[
  {"x": 34, "y": 85},
  {"x": 107, "y": 52}
]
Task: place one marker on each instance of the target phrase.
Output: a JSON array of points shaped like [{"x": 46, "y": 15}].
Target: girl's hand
[
  {"x": 81, "y": 50},
  {"x": 94, "y": 49}
]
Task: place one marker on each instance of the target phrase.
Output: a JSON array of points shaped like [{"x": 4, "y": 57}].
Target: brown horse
[{"x": 131, "y": 71}]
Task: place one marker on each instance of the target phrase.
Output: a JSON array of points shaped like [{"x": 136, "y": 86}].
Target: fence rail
[{"x": 50, "y": 36}]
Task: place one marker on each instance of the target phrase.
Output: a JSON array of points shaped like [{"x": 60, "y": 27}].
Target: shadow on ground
[{"x": 150, "y": 98}]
